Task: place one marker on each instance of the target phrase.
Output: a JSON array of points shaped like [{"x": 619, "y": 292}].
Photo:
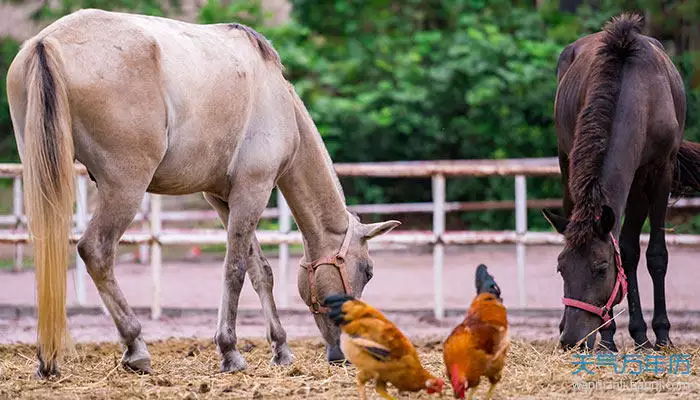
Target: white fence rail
[{"x": 151, "y": 235}]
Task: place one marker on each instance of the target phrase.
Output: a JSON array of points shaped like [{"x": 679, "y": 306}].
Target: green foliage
[
  {"x": 392, "y": 80},
  {"x": 8, "y": 148},
  {"x": 435, "y": 80},
  {"x": 148, "y": 7}
]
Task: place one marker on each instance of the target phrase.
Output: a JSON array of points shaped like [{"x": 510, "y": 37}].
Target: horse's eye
[
  {"x": 368, "y": 273},
  {"x": 600, "y": 267}
]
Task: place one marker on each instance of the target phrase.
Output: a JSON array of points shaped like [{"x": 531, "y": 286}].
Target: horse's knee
[{"x": 657, "y": 261}]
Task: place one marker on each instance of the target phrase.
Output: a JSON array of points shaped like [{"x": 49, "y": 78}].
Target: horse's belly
[{"x": 195, "y": 163}]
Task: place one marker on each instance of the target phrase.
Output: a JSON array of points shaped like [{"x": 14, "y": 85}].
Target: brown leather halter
[{"x": 338, "y": 260}]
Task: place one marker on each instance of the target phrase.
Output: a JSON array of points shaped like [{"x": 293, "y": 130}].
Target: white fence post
[
  {"x": 521, "y": 231},
  {"x": 438, "y": 184},
  {"x": 17, "y": 205},
  {"x": 285, "y": 222},
  {"x": 156, "y": 260},
  {"x": 143, "y": 247},
  {"x": 81, "y": 220}
]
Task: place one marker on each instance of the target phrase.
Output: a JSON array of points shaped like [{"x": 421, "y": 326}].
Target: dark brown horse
[{"x": 620, "y": 114}]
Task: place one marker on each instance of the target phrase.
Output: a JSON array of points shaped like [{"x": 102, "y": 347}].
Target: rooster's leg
[
  {"x": 471, "y": 393},
  {"x": 490, "y": 392},
  {"x": 362, "y": 378},
  {"x": 381, "y": 389}
]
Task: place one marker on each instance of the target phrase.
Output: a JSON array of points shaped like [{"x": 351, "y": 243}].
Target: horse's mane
[
  {"x": 619, "y": 40},
  {"x": 264, "y": 46}
]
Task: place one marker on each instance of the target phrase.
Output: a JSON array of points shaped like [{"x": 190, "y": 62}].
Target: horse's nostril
[{"x": 334, "y": 354}]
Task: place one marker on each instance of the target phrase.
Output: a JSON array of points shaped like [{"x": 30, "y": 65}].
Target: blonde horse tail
[{"x": 48, "y": 179}]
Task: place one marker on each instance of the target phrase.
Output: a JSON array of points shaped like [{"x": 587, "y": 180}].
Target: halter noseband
[
  {"x": 338, "y": 260},
  {"x": 621, "y": 282}
]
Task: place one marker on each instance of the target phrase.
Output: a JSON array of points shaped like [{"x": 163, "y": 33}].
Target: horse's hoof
[
  {"x": 643, "y": 346},
  {"x": 46, "y": 373},
  {"x": 663, "y": 345},
  {"x": 233, "y": 362},
  {"x": 47, "y": 370},
  {"x": 136, "y": 358},
  {"x": 283, "y": 356},
  {"x": 141, "y": 366},
  {"x": 607, "y": 348}
]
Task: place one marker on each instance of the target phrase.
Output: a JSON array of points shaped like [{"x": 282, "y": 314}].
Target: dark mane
[
  {"x": 267, "y": 52},
  {"x": 619, "y": 41}
]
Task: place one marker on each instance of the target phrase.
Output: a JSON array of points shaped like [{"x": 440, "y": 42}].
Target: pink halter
[{"x": 621, "y": 282}]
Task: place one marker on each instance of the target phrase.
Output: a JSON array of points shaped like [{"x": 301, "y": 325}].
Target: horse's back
[
  {"x": 164, "y": 89},
  {"x": 649, "y": 74},
  {"x": 108, "y": 50}
]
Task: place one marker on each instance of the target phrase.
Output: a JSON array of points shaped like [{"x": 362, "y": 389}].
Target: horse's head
[
  {"x": 345, "y": 269},
  {"x": 593, "y": 278}
]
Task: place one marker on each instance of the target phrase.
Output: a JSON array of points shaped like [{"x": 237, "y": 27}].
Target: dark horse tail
[
  {"x": 686, "y": 178},
  {"x": 620, "y": 40}
]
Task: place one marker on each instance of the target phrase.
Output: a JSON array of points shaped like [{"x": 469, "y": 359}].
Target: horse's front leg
[
  {"x": 607, "y": 336},
  {"x": 246, "y": 203},
  {"x": 262, "y": 279},
  {"x": 635, "y": 214},
  {"x": 657, "y": 257}
]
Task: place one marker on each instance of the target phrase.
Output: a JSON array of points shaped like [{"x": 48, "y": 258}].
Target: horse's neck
[{"x": 313, "y": 192}]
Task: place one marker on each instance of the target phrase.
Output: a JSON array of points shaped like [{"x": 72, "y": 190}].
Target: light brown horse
[{"x": 152, "y": 104}]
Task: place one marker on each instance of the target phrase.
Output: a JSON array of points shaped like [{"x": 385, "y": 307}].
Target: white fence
[{"x": 152, "y": 236}]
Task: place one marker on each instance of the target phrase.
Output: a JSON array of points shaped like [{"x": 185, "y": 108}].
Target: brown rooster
[
  {"x": 477, "y": 347},
  {"x": 378, "y": 349}
]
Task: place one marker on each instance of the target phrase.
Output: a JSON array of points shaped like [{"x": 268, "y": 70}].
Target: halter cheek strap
[
  {"x": 338, "y": 260},
  {"x": 620, "y": 283}
]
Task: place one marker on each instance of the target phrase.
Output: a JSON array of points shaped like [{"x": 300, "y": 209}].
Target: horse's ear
[
  {"x": 370, "y": 231},
  {"x": 607, "y": 221},
  {"x": 557, "y": 221}
]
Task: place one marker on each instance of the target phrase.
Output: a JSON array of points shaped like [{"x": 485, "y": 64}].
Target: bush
[
  {"x": 8, "y": 149},
  {"x": 389, "y": 80}
]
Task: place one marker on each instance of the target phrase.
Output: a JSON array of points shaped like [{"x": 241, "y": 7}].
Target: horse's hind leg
[
  {"x": 657, "y": 254},
  {"x": 261, "y": 277},
  {"x": 116, "y": 208}
]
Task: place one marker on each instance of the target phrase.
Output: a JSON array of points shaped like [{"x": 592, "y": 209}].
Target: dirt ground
[
  {"x": 185, "y": 361},
  {"x": 188, "y": 369}
]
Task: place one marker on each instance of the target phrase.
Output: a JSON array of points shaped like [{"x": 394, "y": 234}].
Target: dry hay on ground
[{"x": 188, "y": 369}]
